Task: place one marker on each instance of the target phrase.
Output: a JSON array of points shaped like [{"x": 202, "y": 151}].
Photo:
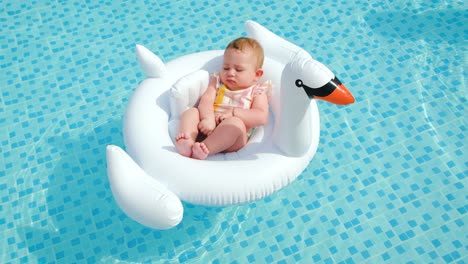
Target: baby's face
[{"x": 239, "y": 69}]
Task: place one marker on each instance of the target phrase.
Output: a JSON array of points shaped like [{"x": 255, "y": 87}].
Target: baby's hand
[
  {"x": 207, "y": 125},
  {"x": 213, "y": 81},
  {"x": 220, "y": 117}
]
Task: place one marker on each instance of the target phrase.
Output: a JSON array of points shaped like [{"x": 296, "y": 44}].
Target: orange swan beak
[
  {"x": 333, "y": 91},
  {"x": 340, "y": 96}
]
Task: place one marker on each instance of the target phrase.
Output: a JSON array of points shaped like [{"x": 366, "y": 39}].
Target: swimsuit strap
[{"x": 219, "y": 97}]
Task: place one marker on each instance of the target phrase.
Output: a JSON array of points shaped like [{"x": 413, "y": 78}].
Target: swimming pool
[{"x": 386, "y": 186}]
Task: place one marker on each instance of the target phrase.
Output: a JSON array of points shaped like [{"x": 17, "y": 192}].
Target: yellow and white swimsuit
[{"x": 226, "y": 99}]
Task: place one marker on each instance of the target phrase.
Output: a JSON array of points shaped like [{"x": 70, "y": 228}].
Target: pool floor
[{"x": 388, "y": 182}]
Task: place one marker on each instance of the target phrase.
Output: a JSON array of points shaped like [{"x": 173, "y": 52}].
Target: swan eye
[{"x": 299, "y": 83}]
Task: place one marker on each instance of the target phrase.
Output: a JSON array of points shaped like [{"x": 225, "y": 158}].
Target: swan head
[{"x": 317, "y": 81}]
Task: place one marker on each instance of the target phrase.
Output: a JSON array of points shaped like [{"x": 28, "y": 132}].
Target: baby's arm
[
  {"x": 205, "y": 107},
  {"x": 257, "y": 115}
]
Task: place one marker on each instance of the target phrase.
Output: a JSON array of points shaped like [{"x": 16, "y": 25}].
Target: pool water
[{"x": 387, "y": 185}]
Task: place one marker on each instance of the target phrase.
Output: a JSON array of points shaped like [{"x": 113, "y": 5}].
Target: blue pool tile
[{"x": 387, "y": 184}]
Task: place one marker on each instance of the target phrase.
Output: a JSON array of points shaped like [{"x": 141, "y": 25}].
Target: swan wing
[
  {"x": 151, "y": 64},
  {"x": 140, "y": 196}
]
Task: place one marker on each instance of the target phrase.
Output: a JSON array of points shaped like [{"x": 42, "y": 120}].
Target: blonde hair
[{"x": 243, "y": 43}]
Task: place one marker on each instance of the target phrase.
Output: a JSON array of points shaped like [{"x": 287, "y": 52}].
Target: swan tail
[
  {"x": 140, "y": 196},
  {"x": 151, "y": 64}
]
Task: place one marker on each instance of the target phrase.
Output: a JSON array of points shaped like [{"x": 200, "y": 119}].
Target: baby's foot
[
  {"x": 184, "y": 144},
  {"x": 200, "y": 151}
]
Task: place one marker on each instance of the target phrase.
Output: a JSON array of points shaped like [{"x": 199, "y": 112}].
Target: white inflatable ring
[{"x": 149, "y": 182}]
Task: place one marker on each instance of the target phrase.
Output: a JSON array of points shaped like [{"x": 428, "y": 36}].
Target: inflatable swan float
[{"x": 150, "y": 181}]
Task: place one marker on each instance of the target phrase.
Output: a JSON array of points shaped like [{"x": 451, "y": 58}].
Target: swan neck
[{"x": 293, "y": 124}]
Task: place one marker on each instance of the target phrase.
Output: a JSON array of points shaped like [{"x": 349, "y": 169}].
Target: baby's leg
[
  {"x": 188, "y": 132},
  {"x": 230, "y": 135}
]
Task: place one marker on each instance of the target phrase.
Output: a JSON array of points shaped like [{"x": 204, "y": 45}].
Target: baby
[{"x": 231, "y": 106}]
